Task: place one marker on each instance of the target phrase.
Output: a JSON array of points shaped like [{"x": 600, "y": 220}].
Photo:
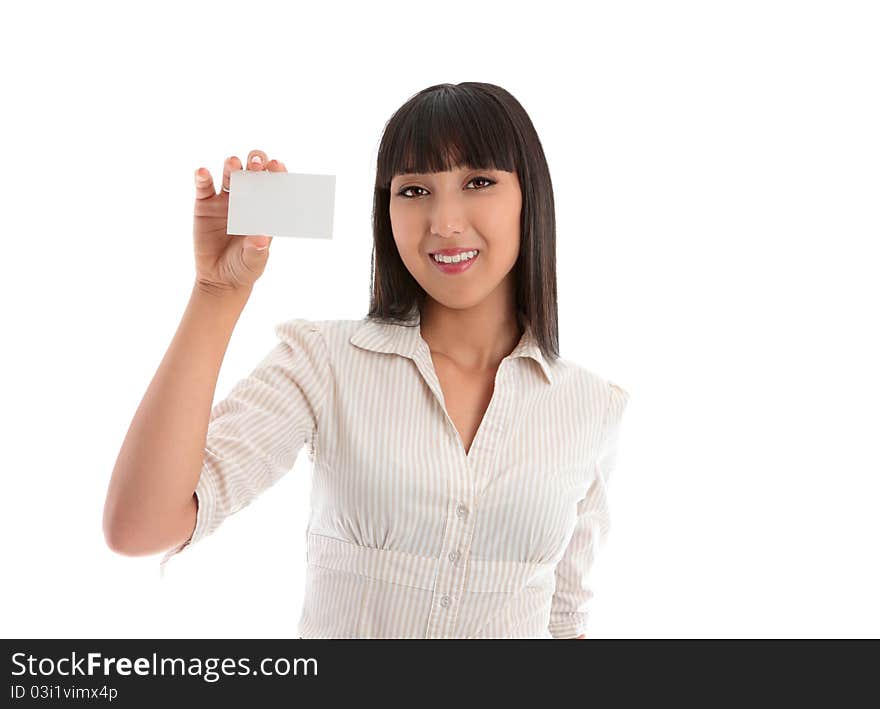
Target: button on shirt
[{"x": 410, "y": 536}]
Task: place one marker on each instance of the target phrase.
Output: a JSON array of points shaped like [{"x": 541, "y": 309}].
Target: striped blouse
[{"x": 409, "y": 536}]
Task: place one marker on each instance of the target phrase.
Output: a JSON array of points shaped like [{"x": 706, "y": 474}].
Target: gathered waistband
[{"x": 417, "y": 571}]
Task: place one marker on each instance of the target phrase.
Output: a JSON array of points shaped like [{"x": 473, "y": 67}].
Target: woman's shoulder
[
  {"x": 335, "y": 333},
  {"x": 588, "y": 380}
]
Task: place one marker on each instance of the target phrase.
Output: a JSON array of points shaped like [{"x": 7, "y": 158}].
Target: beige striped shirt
[{"x": 409, "y": 536}]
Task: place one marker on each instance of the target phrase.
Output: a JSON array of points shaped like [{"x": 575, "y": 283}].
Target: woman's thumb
[
  {"x": 254, "y": 253},
  {"x": 257, "y": 243}
]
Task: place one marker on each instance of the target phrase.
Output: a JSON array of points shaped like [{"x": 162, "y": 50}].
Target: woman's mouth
[{"x": 456, "y": 264}]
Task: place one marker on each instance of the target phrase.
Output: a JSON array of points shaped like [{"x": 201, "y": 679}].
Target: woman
[{"x": 460, "y": 465}]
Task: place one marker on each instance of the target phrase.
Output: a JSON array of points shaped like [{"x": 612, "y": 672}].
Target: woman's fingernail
[{"x": 257, "y": 159}]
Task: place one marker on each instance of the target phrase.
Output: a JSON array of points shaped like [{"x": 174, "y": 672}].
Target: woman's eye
[
  {"x": 403, "y": 192},
  {"x": 484, "y": 179}
]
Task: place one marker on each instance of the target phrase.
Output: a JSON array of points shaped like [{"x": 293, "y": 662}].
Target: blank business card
[{"x": 281, "y": 204}]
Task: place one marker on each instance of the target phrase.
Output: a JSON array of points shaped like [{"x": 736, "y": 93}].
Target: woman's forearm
[{"x": 149, "y": 505}]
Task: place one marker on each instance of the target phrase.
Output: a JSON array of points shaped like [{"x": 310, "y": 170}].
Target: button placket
[
  {"x": 449, "y": 582},
  {"x": 485, "y": 450},
  {"x": 451, "y": 573}
]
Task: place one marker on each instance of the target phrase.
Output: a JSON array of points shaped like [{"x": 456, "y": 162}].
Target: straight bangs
[{"x": 442, "y": 130}]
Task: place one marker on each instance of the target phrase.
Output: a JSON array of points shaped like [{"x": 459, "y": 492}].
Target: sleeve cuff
[
  {"x": 567, "y": 625},
  {"x": 205, "y": 513}
]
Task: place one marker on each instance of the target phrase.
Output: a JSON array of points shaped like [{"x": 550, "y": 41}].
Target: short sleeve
[
  {"x": 256, "y": 433},
  {"x": 571, "y": 601}
]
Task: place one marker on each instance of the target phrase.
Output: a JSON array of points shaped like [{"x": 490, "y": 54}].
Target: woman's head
[{"x": 460, "y": 165}]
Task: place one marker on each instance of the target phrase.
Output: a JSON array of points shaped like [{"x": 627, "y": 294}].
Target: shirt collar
[{"x": 405, "y": 338}]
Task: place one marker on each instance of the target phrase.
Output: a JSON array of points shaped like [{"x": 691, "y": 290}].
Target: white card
[{"x": 280, "y": 204}]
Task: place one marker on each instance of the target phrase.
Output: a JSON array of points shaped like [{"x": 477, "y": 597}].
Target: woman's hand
[{"x": 224, "y": 262}]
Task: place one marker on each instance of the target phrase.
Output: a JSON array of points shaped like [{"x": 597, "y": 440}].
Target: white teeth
[{"x": 464, "y": 256}]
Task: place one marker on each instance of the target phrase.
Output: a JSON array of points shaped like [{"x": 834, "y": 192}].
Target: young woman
[{"x": 460, "y": 465}]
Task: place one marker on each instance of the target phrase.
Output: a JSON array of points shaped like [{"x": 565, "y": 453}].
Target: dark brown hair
[{"x": 476, "y": 126}]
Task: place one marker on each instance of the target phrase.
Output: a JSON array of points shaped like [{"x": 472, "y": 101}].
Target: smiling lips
[{"x": 455, "y": 266}]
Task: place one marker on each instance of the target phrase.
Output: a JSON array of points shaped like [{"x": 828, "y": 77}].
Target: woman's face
[{"x": 470, "y": 209}]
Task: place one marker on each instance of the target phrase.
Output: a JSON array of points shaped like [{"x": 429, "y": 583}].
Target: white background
[{"x": 715, "y": 168}]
